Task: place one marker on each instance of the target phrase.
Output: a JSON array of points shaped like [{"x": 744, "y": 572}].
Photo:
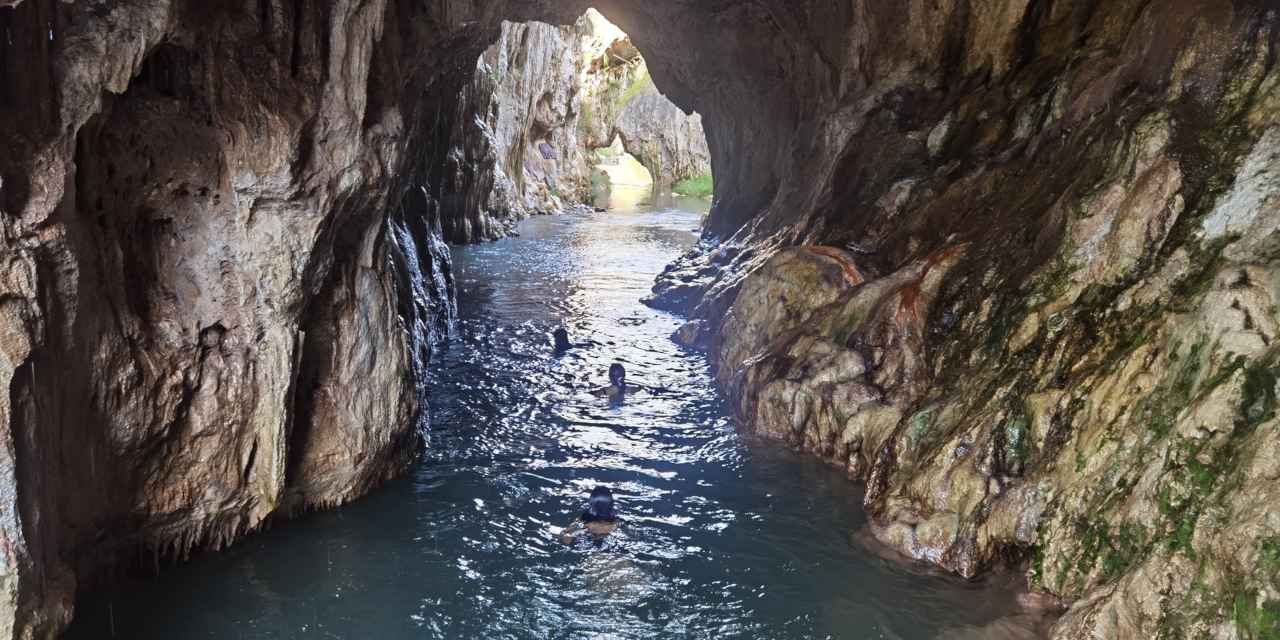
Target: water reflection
[{"x": 723, "y": 538}]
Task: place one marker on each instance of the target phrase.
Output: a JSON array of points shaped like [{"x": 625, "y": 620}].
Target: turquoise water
[{"x": 725, "y": 536}]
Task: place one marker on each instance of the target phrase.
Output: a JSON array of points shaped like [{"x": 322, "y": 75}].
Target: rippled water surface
[{"x": 726, "y": 537}]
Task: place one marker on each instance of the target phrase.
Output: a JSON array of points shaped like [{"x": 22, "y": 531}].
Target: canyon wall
[
  {"x": 1011, "y": 263},
  {"x": 514, "y": 144},
  {"x": 222, "y": 270},
  {"x": 1028, "y": 295}
]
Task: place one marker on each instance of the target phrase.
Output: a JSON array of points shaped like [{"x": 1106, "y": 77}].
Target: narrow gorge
[{"x": 1011, "y": 266}]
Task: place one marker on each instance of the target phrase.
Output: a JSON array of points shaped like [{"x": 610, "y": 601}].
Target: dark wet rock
[{"x": 692, "y": 334}]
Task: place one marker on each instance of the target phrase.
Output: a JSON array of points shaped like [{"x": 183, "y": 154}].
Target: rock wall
[
  {"x": 1011, "y": 263},
  {"x": 667, "y": 141},
  {"x": 222, "y": 272},
  {"x": 1031, "y": 302},
  {"x": 514, "y": 144},
  {"x": 620, "y": 101}
]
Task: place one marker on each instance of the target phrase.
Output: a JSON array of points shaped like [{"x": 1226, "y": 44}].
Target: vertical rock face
[
  {"x": 221, "y": 274},
  {"x": 1032, "y": 303},
  {"x": 1014, "y": 264},
  {"x": 514, "y": 147},
  {"x": 621, "y": 102},
  {"x": 667, "y": 141}
]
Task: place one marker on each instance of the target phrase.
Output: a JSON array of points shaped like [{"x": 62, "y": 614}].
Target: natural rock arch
[{"x": 200, "y": 316}]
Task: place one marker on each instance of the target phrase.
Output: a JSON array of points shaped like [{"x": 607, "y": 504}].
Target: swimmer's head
[
  {"x": 600, "y": 504},
  {"x": 561, "y": 339},
  {"x": 617, "y": 375}
]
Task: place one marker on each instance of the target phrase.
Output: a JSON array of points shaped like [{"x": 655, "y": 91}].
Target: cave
[{"x": 1010, "y": 266}]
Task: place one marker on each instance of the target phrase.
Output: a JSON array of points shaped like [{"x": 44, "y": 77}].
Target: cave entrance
[{"x": 563, "y": 116}]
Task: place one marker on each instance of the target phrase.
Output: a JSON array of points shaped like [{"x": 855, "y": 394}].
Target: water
[{"x": 725, "y": 537}]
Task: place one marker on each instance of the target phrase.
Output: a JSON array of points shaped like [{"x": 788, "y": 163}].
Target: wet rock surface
[
  {"x": 1064, "y": 370},
  {"x": 1027, "y": 253}
]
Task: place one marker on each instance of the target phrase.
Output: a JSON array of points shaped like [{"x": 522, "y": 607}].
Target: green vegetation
[
  {"x": 641, "y": 82},
  {"x": 585, "y": 118},
  {"x": 1256, "y": 620},
  {"x": 920, "y": 425},
  {"x": 1269, "y": 557},
  {"x": 700, "y": 187},
  {"x": 600, "y": 181},
  {"x": 1118, "y": 549},
  {"x": 1160, "y": 408}
]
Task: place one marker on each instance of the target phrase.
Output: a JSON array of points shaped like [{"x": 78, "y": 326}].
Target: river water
[{"x": 725, "y": 536}]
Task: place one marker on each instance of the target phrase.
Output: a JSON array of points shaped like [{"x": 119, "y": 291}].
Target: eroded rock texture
[
  {"x": 668, "y": 142},
  {"x": 220, "y": 280},
  {"x": 1013, "y": 263},
  {"x": 1031, "y": 301},
  {"x": 514, "y": 148}
]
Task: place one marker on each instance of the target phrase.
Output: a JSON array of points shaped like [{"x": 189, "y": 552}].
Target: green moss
[
  {"x": 1117, "y": 550},
  {"x": 1180, "y": 539},
  {"x": 919, "y": 425},
  {"x": 1189, "y": 486},
  {"x": 1126, "y": 546},
  {"x": 1269, "y": 558},
  {"x": 1256, "y": 620},
  {"x": 1037, "y": 557},
  {"x": 702, "y": 186},
  {"x": 1160, "y": 408}
]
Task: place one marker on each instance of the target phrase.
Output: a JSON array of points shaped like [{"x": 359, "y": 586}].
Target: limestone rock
[
  {"x": 221, "y": 274},
  {"x": 667, "y": 141}
]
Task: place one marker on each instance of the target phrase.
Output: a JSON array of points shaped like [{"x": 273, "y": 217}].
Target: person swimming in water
[
  {"x": 560, "y": 342},
  {"x": 599, "y": 518},
  {"x": 617, "y": 388},
  {"x": 561, "y": 338}
]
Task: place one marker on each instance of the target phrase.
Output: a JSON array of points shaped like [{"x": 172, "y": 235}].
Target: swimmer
[
  {"x": 599, "y": 519},
  {"x": 617, "y": 388},
  {"x": 561, "y": 344},
  {"x": 618, "y": 385},
  {"x": 561, "y": 338}
]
